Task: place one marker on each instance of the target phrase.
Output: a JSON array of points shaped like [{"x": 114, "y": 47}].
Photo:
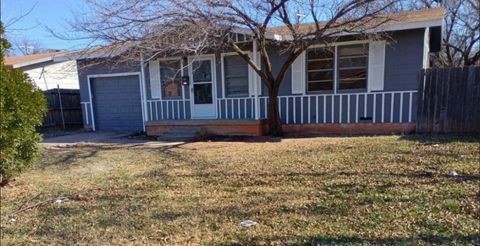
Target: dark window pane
[
  {"x": 202, "y": 93},
  {"x": 323, "y": 75},
  {"x": 202, "y": 71},
  {"x": 170, "y": 73},
  {"x": 320, "y": 64},
  {"x": 236, "y": 76},
  {"x": 353, "y": 84},
  {"x": 353, "y": 50},
  {"x": 352, "y": 74},
  {"x": 236, "y": 86},
  {"x": 353, "y": 62},
  {"x": 320, "y": 53},
  {"x": 320, "y": 86}
]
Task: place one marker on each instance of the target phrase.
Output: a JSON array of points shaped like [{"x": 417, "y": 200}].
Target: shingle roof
[
  {"x": 17, "y": 61},
  {"x": 397, "y": 19}
]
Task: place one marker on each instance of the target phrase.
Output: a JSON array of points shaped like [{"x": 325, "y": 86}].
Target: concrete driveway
[{"x": 101, "y": 138}]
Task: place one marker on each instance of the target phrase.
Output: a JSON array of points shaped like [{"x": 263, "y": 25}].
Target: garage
[{"x": 117, "y": 103}]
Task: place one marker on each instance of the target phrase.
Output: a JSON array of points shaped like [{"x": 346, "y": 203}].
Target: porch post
[
  {"x": 255, "y": 81},
  {"x": 143, "y": 94}
]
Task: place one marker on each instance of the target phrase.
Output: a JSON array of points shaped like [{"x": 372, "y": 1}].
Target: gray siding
[
  {"x": 403, "y": 60},
  {"x": 117, "y": 103}
]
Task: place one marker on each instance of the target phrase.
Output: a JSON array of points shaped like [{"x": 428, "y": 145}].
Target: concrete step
[{"x": 181, "y": 133}]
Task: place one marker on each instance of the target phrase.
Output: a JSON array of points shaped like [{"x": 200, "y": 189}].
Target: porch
[{"x": 346, "y": 113}]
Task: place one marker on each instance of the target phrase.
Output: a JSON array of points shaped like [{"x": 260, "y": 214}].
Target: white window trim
[
  {"x": 335, "y": 72},
  {"x": 224, "y": 89},
  {"x": 173, "y": 58}
]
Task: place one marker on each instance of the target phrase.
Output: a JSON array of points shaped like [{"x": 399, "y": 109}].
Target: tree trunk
[{"x": 274, "y": 121}]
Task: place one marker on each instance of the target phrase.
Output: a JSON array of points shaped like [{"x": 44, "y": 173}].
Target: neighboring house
[
  {"x": 349, "y": 86},
  {"x": 45, "y": 72}
]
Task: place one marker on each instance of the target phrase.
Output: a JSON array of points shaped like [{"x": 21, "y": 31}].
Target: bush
[{"x": 22, "y": 108}]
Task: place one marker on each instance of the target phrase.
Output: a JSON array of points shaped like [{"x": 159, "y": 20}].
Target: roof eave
[
  {"x": 384, "y": 28},
  {"x": 29, "y": 63}
]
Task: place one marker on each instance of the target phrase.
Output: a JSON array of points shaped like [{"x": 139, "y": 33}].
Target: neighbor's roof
[
  {"x": 393, "y": 22},
  {"x": 22, "y": 61}
]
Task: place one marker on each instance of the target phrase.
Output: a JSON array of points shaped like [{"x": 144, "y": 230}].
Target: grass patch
[{"x": 357, "y": 190}]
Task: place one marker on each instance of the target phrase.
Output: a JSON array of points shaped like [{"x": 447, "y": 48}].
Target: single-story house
[
  {"x": 46, "y": 73},
  {"x": 352, "y": 85}
]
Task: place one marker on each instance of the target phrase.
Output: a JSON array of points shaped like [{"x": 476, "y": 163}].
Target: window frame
[
  {"x": 320, "y": 70},
  {"x": 224, "y": 88},
  {"x": 336, "y": 79},
  {"x": 182, "y": 72}
]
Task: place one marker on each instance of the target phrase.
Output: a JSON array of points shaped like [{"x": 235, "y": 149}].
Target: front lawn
[{"x": 356, "y": 190}]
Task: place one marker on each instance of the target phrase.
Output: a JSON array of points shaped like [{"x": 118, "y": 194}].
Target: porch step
[{"x": 181, "y": 133}]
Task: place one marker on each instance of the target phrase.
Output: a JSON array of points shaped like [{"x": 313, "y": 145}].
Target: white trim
[
  {"x": 155, "y": 79},
  {"x": 426, "y": 48},
  {"x": 376, "y": 66},
  {"x": 40, "y": 60},
  {"x": 335, "y": 70},
  {"x": 257, "y": 80},
  {"x": 109, "y": 75},
  {"x": 298, "y": 71},
  {"x": 91, "y": 101},
  {"x": 144, "y": 89}
]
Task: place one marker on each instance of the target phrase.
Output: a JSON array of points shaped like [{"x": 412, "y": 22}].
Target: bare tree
[
  {"x": 27, "y": 46},
  {"x": 190, "y": 27},
  {"x": 461, "y": 34}
]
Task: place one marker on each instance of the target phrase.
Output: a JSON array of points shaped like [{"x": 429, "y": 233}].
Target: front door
[{"x": 202, "y": 88}]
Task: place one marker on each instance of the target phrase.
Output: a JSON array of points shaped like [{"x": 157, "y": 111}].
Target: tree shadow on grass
[
  {"x": 65, "y": 159},
  {"x": 440, "y": 139},
  {"x": 246, "y": 139}
]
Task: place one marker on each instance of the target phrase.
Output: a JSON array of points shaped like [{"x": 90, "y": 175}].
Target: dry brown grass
[{"x": 359, "y": 190}]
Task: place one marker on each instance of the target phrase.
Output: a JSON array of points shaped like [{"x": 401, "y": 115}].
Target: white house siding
[{"x": 48, "y": 74}]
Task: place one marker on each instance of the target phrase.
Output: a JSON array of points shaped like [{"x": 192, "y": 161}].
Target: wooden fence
[
  {"x": 449, "y": 100},
  {"x": 63, "y": 108}
]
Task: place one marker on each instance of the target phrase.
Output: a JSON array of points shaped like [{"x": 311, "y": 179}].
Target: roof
[
  {"x": 396, "y": 21},
  {"x": 393, "y": 22},
  {"x": 94, "y": 52},
  {"x": 22, "y": 61}
]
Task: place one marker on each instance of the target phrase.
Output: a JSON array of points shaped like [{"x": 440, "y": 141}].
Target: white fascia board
[{"x": 24, "y": 64}]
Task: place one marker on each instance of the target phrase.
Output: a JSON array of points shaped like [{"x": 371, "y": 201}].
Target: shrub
[{"x": 22, "y": 108}]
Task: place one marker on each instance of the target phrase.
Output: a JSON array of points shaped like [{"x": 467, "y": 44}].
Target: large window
[
  {"x": 235, "y": 75},
  {"x": 170, "y": 76},
  {"x": 320, "y": 64},
  {"x": 351, "y": 68}
]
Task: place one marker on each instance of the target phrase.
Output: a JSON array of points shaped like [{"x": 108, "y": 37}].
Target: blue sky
[{"x": 52, "y": 13}]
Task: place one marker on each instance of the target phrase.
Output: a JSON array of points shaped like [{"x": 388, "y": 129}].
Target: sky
[{"x": 52, "y": 13}]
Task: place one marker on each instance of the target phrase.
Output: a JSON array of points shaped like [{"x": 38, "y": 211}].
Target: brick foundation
[
  {"x": 359, "y": 128},
  {"x": 259, "y": 127}
]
